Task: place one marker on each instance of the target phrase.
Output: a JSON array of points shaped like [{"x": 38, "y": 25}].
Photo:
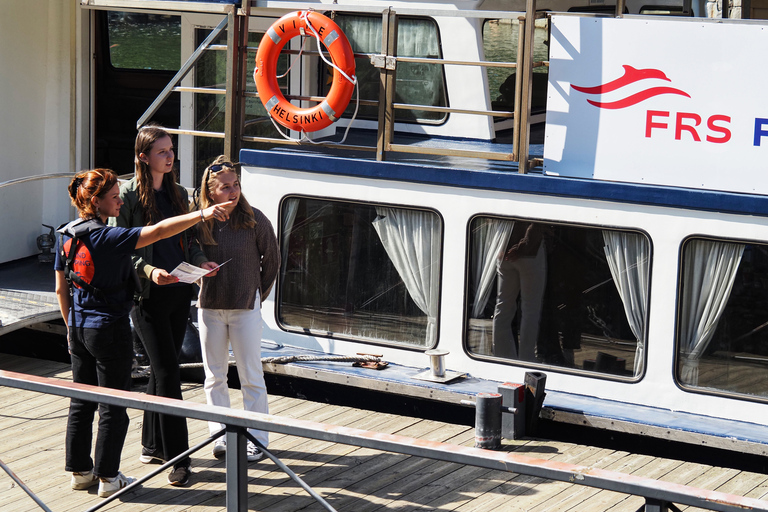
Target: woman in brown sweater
[{"x": 229, "y": 308}]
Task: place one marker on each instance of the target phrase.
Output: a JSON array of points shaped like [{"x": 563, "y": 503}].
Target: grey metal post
[
  {"x": 513, "y": 424},
  {"x": 237, "y": 470},
  {"x": 654, "y": 505}
]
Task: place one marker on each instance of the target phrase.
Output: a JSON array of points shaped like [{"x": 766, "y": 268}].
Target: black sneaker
[
  {"x": 151, "y": 456},
  {"x": 179, "y": 476}
]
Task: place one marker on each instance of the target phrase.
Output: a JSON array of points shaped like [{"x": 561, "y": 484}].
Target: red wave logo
[{"x": 630, "y": 76}]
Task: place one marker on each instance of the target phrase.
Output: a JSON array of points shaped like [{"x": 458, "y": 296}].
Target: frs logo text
[{"x": 716, "y": 129}]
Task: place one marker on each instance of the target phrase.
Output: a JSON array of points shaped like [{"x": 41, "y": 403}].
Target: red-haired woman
[{"x": 96, "y": 314}]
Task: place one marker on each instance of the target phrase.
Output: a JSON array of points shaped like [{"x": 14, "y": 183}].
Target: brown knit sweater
[{"x": 255, "y": 259}]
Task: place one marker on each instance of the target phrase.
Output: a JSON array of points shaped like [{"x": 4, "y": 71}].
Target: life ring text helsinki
[{"x": 305, "y": 23}]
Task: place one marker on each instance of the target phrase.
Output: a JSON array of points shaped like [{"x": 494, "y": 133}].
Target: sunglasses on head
[{"x": 219, "y": 167}]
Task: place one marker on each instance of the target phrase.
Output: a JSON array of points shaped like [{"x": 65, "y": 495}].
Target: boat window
[
  {"x": 722, "y": 340},
  {"x": 500, "y": 45},
  {"x": 211, "y": 71},
  {"x": 144, "y": 41},
  {"x": 367, "y": 272},
  {"x": 416, "y": 83},
  {"x": 567, "y": 296}
]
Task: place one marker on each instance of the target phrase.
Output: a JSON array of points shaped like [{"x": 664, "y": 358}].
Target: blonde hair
[{"x": 240, "y": 218}]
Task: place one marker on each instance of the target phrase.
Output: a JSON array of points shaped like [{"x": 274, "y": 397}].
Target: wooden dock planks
[{"x": 350, "y": 478}]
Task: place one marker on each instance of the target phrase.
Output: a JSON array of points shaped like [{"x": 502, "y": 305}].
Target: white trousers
[{"x": 241, "y": 329}]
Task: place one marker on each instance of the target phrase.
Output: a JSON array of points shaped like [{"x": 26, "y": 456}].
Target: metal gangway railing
[
  {"x": 235, "y": 22},
  {"x": 659, "y": 496}
]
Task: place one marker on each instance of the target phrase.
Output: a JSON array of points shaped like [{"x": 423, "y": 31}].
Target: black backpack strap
[{"x": 75, "y": 230}]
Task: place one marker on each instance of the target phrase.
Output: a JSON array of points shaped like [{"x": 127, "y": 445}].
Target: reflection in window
[
  {"x": 416, "y": 83},
  {"x": 560, "y": 295},
  {"x": 135, "y": 40},
  {"x": 500, "y": 45},
  {"x": 360, "y": 271},
  {"x": 723, "y": 339}
]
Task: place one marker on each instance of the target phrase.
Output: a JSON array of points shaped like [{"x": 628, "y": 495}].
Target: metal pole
[
  {"x": 517, "y": 127},
  {"x": 291, "y": 474},
  {"x": 620, "y": 4},
  {"x": 237, "y": 470},
  {"x": 387, "y": 84},
  {"x": 179, "y": 76},
  {"x": 503, "y": 461},
  {"x": 24, "y": 487},
  {"x": 527, "y": 71},
  {"x": 237, "y": 42}
]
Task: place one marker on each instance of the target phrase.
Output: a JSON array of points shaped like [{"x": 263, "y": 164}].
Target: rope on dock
[{"x": 140, "y": 372}]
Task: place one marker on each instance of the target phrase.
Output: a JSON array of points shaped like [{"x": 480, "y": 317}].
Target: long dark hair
[{"x": 145, "y": 139}]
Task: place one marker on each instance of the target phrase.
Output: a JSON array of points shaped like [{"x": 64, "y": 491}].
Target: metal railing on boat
[
  {"x": 236, "y": 21},
  {"x": 659, "y": 496}
]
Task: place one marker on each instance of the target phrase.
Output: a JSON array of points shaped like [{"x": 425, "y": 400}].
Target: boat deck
[
  {"x": 26, "y": 294},
  {"x": 348, "y": 477}
]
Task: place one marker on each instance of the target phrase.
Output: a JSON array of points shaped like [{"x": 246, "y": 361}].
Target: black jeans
[
  {"x": 100, "y": 357},
  {"x": 161, "y": 321}
]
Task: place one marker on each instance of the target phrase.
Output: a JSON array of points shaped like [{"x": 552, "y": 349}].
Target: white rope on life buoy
[{"x": 344, "y": 82}]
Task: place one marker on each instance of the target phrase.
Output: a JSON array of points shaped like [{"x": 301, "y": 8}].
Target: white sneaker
[
  {"x": 109, "y": 486},
  {"x": 220, "y": 448},
  {"x": 85, "y": 480},
  {"x": 253, "y": 452}
]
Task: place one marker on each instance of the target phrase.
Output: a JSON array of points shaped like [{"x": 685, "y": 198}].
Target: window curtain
[
  {"x": 708, "y": 275},
  {"x": 489, "y": 239},
  {"x": 415, "y": 37},
  {"x": 412, "y": 241},
  {"x": 629, "y": 261},
  {"x": 290, "y": 207}
]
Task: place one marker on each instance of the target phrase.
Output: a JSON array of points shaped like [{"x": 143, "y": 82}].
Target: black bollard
[
  {"x": 512, "y": 423},
  {"x": 488, "y": 421},
  {"x": 534, "y": 399}
]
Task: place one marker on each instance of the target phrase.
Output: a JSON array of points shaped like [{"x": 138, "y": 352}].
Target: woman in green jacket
[{"x": 162, "y": 303}]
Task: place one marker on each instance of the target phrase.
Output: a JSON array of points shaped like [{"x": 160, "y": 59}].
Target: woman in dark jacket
[
  {"x": 95, "y": 308},
  {"x": 162, "y": 303}
]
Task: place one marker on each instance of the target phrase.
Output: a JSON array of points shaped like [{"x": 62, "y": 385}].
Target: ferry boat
[{"x": 585, "y": 205}]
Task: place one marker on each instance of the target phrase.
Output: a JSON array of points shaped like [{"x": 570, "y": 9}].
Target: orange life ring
[{"x": 330, "y": 109}]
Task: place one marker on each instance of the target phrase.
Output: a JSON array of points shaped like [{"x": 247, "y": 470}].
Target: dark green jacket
[{"x": 131, "y": 216}]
